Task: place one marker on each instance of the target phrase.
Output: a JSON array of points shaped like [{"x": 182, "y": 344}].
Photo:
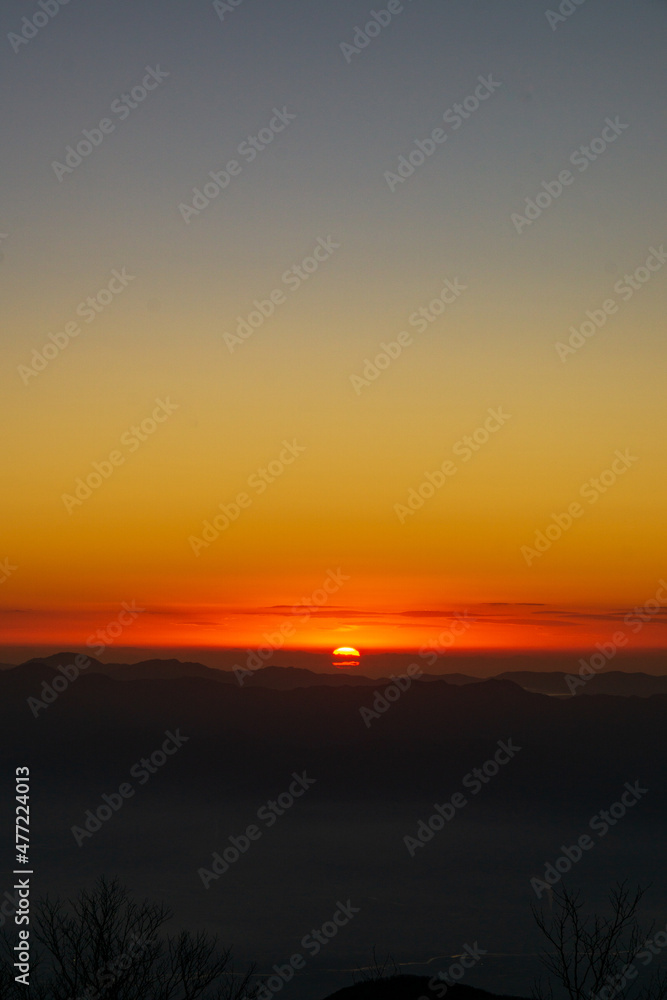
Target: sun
[{"x": 346, "y": 657}]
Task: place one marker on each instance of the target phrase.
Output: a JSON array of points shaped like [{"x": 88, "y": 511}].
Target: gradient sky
[{"x": 323, "y": 178}]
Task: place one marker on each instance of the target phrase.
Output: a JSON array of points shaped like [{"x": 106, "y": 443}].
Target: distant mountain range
[
  {"x": 433, "y": 733},
  {"x": 284, "y": 678}
]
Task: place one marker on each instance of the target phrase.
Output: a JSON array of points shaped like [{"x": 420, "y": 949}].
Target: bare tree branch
[
  {"x": 589, "y": 956},
  {"x": 103, "y": 945}
]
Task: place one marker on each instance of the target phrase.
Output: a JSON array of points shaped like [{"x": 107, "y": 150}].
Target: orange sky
[
  {"x": 492, "y": 627},
  {"x": 398, "y": 402}
]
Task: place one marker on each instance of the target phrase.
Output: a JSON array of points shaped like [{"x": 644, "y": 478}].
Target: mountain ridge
[{"x": 286, "y": 677}]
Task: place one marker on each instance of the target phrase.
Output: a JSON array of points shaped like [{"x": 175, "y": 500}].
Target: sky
[{"x": 195, "y": 421}]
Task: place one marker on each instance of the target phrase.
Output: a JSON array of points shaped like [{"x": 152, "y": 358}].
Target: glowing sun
[{"x": 346, "y": 657}]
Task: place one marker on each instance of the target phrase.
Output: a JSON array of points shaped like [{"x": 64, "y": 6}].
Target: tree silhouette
[
  {"x": 377, "y": 970},
  {"x": 105, "y": 946},
  {"x": 594, "y": 957}
]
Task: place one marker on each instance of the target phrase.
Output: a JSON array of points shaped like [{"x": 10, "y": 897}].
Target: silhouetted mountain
[
  {"x": 162, "y": 670},
  {"x": 56, "y": 660},
  {"x": 286, "y": 678},
  {"x": 617, "y": 682},
  {"x": 552, "y": 682},
  {"x": 454, "y": 678},
  {"x": 419, "y": 745},
  {"x": 271, "y": 676}
]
